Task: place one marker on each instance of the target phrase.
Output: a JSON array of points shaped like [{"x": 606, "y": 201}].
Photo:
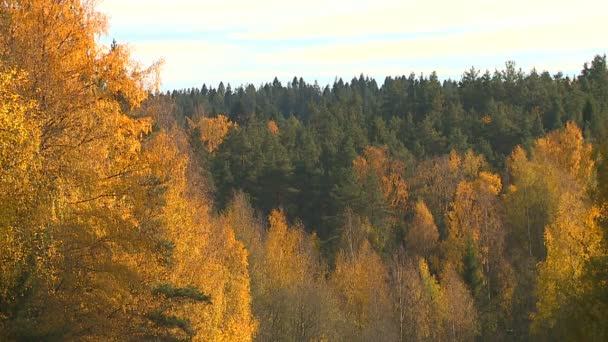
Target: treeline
[
  {"x": 418, "y": 210},
  {"x": 306, "y": 170},
  {"x": 488, "y": 112}
]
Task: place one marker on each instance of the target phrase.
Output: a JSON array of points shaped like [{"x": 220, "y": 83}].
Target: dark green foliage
[
  {"x": 522, "y": 106},
  {"x": 165, "y": 250},
  {"x": 170, "y": 321},
  {"x": 594, "y": 305},
  {"x": 171, "y": 327},
  {"x": 254, "y": 160},
  {"x": 472, "y": 273},
  {"x": 185, "y": 293}
]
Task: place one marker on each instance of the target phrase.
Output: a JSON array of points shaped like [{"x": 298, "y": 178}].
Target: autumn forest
[{"x": 411, "y": 209}]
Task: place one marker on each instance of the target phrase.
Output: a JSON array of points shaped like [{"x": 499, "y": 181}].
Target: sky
[{"x": 242, "y": 42}]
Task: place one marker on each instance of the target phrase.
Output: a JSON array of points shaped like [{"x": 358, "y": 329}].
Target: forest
[{"x": 416, "y": 209}]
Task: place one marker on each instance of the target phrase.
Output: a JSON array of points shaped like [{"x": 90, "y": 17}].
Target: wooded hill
[{"x": 419, "y": 209}]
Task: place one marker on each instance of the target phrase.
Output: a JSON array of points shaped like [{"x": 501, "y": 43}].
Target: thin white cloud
[
  {"x": 273, "y": 19},
  {"x": 557, "y": 38},
  {"x": 248, "y": 41}
]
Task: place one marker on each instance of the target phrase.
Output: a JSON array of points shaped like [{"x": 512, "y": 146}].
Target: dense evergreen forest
[{"x": 414, "y": 210}]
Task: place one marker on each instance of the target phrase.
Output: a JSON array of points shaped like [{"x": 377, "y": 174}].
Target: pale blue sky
[{"x": 240, "y": 42}]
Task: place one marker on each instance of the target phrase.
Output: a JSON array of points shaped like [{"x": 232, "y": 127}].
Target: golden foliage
[
  {"x": 423, "y": 236},
  {"x": 571, "y": 240},
  {"x": 81, "y": 225},
  {"x": 214, "y": 130},
  {"x": 454, "y": 161},
  {"x": 473, "y": 164},
  {"x": 19, "y": 138},
  {"x": 567, "y": 151},
  {"x": 389, "y": 172},
  {"x": 486, "y": 119},
  {"x": 19, "y": 167},
  {"x": 273, "y": 128},
  {"x": 199, "y": 239},
  {"x": 461, "y": 314},
  {"x": 287, "y": 253},
  {"x": 530, "y": 201},
  {"x": 247, "y": 227},
  {"x": 437, "y": 178},
  {"x": 291, "y": 296},
  {"x": 362, "y": 283},
  {"x": 418, "y": 299},
  {"x": 105, "y": 209},
  {"x": 572, "y": 235},
  {"x": 490, "y": 183},
  {"x": 475, "y": 214}
]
